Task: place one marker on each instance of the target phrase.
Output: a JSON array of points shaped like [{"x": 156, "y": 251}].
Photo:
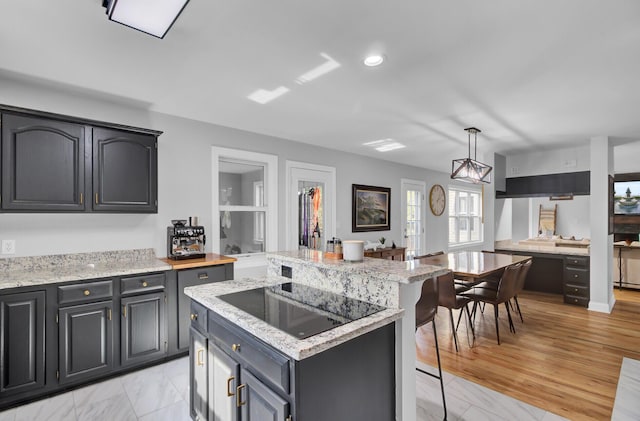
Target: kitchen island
[{"x": 394, "y": 285}]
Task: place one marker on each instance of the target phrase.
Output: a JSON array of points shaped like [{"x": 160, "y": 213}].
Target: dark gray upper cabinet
[
  {"x": 22, "y": 339},
  {"x": 124, "y": 171},
  {"x": 56, "y": 163},
  {"x": 573, "y": 183},
  {"x": 43, "y": 164}
]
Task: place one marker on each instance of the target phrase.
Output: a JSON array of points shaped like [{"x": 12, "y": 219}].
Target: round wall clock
[{"x": 437, "y": 199}]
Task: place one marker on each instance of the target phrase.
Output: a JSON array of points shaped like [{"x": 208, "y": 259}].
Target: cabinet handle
[
  {"x": 229, "y": 380},
  {"x": 124, "y": 311},
  {"x": 87, "y": 292},
  {"x": 239, "y": 402},
  {"x": 145, "y": 284},
  {"x": 203, "y": 275},
  {"x": 194, "y": 316},
  {"x": 96, "y": 198},
  {"x": 235, "y": 347},
  {"x": 108, "y": 314},
  {"x": 575, "y": 289},
  {"x": 575, "y": 276},
  {"x": 200, "y": 356},
  {"x": 81, "y": 198}
]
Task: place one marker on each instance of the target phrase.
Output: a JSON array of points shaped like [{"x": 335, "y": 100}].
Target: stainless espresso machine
[{"x": 185, "y": 241}]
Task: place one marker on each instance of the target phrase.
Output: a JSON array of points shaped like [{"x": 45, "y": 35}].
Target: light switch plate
[{"x": 8, "y": 246}]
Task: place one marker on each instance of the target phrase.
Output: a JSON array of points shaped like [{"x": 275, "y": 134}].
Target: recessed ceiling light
[
  {"x": 385, "y": 145},
  {"x": 373, "y": 60}
]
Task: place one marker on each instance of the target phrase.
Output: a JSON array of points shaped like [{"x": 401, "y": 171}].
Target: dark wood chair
[
  {"x": 502, "y": 294},
  {"x": 426, "y": 309},
  {"x": 449, "y": 298},
  {"x": 522, "y": 277}
]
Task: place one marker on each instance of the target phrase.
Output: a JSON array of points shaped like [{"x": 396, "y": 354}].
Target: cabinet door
[
  {"x": 143, "y": 328},
  {"x": 43, "y": 164},
  {"x": 191, "y": 277},
  {"x": 198, "y": 376},
  {"x": 224, "y": 376},
  {"x": 124, "y": 171},
  {"x": 85, "y": 339},
  {"x": 22, "y": 342},
  {"x": 257, "y": 402}
]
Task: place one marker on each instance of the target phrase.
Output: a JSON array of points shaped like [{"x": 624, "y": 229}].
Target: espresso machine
[{"x": 185, "y": 241}]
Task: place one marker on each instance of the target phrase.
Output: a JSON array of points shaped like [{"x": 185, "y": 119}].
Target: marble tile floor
[
  {"x": 470, "y": 401},
  {"x": 161, "y": 393}
]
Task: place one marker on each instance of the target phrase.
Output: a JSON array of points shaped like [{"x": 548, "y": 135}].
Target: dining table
[{"x": 474, "y": 264}]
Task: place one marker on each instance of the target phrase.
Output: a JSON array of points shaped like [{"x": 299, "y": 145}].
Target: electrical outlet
[
  {"x": 8, "y": 246},
  {"x": 287, "y": 271}
]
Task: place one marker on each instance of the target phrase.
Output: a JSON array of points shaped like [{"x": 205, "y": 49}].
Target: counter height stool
[{"x": 426, "y": 309}]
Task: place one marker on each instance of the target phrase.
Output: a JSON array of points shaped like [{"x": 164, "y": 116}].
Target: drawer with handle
[
  {"x": 261, "y": 359},
  {"x": 576, "y": 276},
  {"x": 198, "y": 316},
  {"x": 85, "y": 292},
  {"x": 142, "y": 283},
  {"x": 579, "y": 291}
]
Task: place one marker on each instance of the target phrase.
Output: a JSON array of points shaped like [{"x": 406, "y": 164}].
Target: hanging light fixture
[
  {"x": 470, "y": 170},
  {"x": 150, "y": 16}
]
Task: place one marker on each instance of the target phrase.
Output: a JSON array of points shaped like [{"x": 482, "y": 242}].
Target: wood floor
[{"x": 564, "y": 359}]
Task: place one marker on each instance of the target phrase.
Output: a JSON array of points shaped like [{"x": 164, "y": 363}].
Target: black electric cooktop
[{"x": 300, "y": 310}]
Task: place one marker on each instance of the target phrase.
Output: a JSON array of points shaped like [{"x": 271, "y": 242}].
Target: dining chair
[
  {"x": 450, "y": 299},
  {"x": 522, "y": 277},
  {"x": 460, "y": 286},
  {"x": 504, "y": 292},
  {"x": 426, "y": 309}
]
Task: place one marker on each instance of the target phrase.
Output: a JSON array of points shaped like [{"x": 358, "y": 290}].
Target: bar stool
[{"x": 426, "y": 309}]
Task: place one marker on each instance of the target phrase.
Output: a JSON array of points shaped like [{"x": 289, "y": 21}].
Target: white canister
[{"x": 353, "y": 250}]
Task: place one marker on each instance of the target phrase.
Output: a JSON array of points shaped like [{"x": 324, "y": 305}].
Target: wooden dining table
[{"x": 474, "y": 264}]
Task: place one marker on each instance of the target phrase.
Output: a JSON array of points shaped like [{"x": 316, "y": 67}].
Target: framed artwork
[{"x": 371, "y": 207}]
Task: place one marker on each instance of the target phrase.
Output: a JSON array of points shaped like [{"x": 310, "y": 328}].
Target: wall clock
[{"x": 437, "y": 199}]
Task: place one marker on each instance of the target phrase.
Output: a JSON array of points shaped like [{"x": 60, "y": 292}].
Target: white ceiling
[{"x": 528, "y": 73}]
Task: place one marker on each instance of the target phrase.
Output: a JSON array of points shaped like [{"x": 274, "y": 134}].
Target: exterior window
[
  {"x": 244, "y": 205},
  {"x": 465, "y": 216}
]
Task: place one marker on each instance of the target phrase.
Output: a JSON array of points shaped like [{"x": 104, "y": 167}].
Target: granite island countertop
[
  {"x": 404, "y": 272},
  {"x": 298, "y": 349},
  {"x": 40, "y": 270}
]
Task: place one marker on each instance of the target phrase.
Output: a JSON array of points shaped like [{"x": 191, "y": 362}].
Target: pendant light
[
  {"x": 470, "y": 170},
  {"x": 149, "y": 16}
]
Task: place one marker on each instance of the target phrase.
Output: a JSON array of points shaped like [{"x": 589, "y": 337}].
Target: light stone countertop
[
  {"x": 543, "y": 248},
  {"x": 404, "y": 272},
  {"x": 41, "y": 270},
  {"x": 295, "y": 348}
]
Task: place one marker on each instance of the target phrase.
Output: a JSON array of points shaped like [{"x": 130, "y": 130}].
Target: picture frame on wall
[{"x": 371, "y": 208}]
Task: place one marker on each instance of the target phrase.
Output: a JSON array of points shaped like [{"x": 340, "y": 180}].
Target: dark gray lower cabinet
[
  {"x": 198, "y": 393},
  {"x": 22, "y": 342},
  {"x": 85, "y": 341},
  {"x": 248, "y": 379},
  {"x": 191, "y": 277},
  {"x": 143, "y": 328},
  {"x": 257, "y": 402}
]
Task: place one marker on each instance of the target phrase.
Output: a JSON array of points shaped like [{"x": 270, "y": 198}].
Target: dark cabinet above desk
[
  {"x": 573, "y": 183},
  {"x": 54, "y": 163}
]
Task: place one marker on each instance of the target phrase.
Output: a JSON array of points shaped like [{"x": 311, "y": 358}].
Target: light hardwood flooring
[{"x": 563, "y": 359}]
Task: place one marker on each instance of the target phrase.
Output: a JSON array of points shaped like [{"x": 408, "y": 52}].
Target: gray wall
[{"x": 180, "y": 197}]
